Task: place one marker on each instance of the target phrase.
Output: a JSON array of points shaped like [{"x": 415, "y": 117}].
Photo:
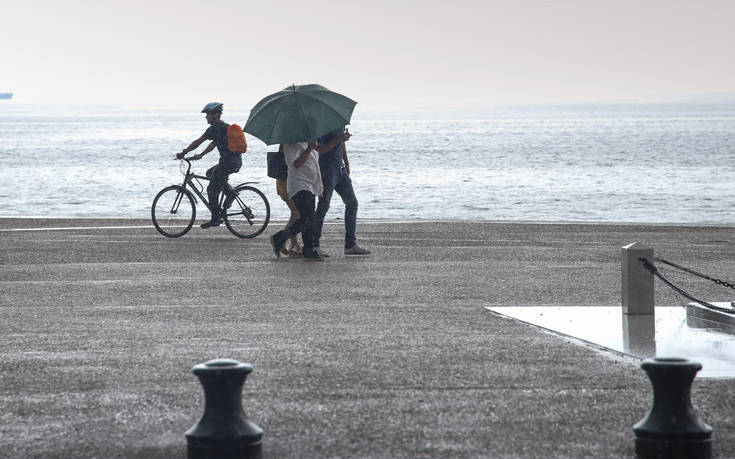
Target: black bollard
[
  {"x": 672, "y": 428},
  {"x": 223, "y": 431}
]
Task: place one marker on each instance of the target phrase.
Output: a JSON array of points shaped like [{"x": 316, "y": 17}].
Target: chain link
[
  {"x": 691, "y": 271},
  {"x": 652, "y": 268}
]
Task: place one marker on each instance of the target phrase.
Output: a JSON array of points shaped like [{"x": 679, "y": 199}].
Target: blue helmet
[{"x": 212, "y": 107}]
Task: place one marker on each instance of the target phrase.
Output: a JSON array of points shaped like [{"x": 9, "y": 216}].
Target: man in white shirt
[{"x": 304, "y": 183}]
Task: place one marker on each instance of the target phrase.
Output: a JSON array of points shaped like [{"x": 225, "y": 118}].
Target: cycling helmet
[{"x": 212, "y": 107}]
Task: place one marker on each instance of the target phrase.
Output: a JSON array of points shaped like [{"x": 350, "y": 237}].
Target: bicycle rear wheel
[
  {"x": 173, "y": 211},
  {"x": 248, "y": 214}
]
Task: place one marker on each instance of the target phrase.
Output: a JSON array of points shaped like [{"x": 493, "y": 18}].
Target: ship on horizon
[{"x": 6, "y": 95}]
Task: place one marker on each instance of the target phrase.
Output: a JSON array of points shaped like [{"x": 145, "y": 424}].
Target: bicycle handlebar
[{"x": 188, "y": 164}]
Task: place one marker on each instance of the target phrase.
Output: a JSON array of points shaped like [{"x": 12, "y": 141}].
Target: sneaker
[
  {"x": 276, "y": 245},
  {"x": 320, "y": 252},
  {"x": 356, "y": 250},
  {"x": 210, "y": 224}
]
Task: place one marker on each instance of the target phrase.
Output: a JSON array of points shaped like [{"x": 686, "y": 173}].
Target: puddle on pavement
[{"x": 640, "y": 336}]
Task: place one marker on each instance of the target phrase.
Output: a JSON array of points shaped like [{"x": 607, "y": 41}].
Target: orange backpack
[{"x": 236, "y": 139}]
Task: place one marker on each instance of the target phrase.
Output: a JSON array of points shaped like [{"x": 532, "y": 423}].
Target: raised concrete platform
[
  {"x": 393, "y": 355},
  {"x": 701, "y": 316}
]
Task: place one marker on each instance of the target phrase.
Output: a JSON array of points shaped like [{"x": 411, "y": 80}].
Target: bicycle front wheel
[
  {"x": 173, "y": 211},
  {"x": 247, "y": 212}
]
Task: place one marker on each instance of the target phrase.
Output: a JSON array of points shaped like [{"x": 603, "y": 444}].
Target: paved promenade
[{"x": 392, "y": 355}]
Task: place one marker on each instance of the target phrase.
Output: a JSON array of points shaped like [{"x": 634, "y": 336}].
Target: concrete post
[
  {"x": 637, "y": 281},
  {"x": 639, "y": 335}
]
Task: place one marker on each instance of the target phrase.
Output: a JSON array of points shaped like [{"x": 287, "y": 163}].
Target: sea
[{"x": 650, "y": 163}]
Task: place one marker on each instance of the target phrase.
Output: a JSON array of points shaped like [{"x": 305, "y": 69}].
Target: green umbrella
[{"x": 299, "y": 114}]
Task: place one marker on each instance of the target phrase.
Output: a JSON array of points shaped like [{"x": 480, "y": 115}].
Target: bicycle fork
[{"x": 177, "y": 201}]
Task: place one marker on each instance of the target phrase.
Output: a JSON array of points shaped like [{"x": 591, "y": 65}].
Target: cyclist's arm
[
  {"x": 194, "y": 145},
  {"x": 209, "y": 148}
]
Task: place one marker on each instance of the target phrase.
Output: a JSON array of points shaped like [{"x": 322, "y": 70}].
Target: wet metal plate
[{"x": 640, "y": 336}]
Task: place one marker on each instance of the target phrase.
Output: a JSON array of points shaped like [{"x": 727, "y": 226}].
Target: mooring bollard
[
  {"x": 224, "y": 430},
  {"x": 672, "y": 428},
  {"x": 637, "y": 281}
]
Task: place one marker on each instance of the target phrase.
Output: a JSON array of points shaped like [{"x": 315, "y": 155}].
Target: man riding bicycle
[{"x": 229, "y": 162}]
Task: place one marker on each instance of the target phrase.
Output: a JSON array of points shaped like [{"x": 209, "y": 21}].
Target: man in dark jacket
[{"x": 335, "y": 169}]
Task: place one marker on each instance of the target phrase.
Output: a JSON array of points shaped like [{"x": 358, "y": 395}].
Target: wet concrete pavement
[{"x": 391, "y": 355}]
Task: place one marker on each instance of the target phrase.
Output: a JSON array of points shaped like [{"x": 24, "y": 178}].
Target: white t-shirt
[{"x": 307, "y": 177}]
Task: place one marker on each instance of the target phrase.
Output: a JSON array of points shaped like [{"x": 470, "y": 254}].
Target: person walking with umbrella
[
  {"x": 303, "y": 185},
  {"x": 335, "y": 169},
  {"x": 297, "y": 116}
]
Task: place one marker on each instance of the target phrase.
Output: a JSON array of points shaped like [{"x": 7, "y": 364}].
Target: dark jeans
[
  {"x": 337, "y": 180},
  {"x": 304, "y": 201},
  {"x": 217, "y": 179}
]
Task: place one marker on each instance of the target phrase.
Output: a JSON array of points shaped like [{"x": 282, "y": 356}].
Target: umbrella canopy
[{"x": 299, "y": 114}]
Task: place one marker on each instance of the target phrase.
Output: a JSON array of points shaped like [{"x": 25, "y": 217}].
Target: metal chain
[
  {"x": 652, "y": 268},
  {"x": 691, "y": 271}
]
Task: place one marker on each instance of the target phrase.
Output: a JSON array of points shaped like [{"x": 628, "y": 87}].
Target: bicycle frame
[{"x": 189, "y": 177}]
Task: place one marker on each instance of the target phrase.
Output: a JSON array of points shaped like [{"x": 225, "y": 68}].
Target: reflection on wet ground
[{"x": 641, "y": 336}]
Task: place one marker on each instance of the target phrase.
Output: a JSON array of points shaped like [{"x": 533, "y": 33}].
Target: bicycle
[{"x": 246, "y": 210}]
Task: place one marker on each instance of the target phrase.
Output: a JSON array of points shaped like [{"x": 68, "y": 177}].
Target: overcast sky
[{"x": 381, "y": 53}]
